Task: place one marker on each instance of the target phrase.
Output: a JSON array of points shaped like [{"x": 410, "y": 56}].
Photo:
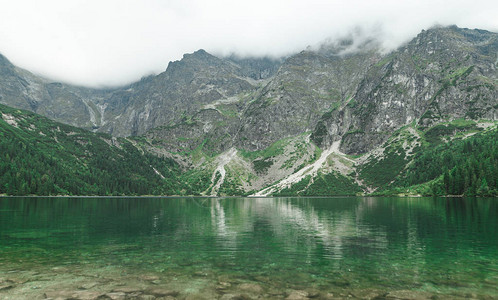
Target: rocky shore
[{"x": 108, "y": 283}]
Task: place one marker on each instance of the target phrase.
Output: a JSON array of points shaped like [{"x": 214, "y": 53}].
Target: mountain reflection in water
[{"x": 444, "y": 246}]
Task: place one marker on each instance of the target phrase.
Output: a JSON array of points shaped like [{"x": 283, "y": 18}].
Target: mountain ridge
[{"x": 324, "y": 115}]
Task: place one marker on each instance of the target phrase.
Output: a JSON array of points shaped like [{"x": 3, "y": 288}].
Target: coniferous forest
[
  {"x": 460, "y": 167},
  {"x": 42, "y": 157}
]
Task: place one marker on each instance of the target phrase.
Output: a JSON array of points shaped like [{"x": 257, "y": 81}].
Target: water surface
[{"x": 248, "y": 247}]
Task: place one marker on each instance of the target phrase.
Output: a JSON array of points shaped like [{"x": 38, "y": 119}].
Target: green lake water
[{"x": 195, "y": 248}]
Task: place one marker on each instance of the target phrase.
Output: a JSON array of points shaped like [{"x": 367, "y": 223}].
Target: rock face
[
  {"x": 307, "y": 85},
  {"x": 68, "y": 104},
  {"x": 441, "y": 75},
  {"x": 359, "y": 97},
  {"x": 199, "y": 79},
  {"x": 256, "y": 68},
  {"x": 184, "y": 88}
]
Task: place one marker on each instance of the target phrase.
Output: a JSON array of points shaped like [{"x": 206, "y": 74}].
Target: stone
[
  {"x": 5, "y": 280},
  {"x": 116, "y": 295},
  {"x": 313, "y": 293},
  {"x": 409, "y": 295},
  {"x": 88, "y": 286},
  {"x": 263, "y": 278},
  {"x": 59, "y": 294},
  {"x": 88, "y": 295},
  {"x": 328, "y": 296},
  {"x": 471, "y": 295},
  {"x": 195, "y": 297},
  {"x": 223, "y": 285},
  {"x": 226, "y": 278},
  {"x": 200, "y": 274},
  {"x": 251, "y": 287},
  {"x": 273, "y": 292},
  {"x": 234, "y": 297},
  {"x": 80, "y": 295},
  {"x": 127, "y": 289},
  {"x": 149, "y": 277},
  {"x": 297, "y": 295},
  {"x": 368, "y": 294},
  {"x": 160, "y": 292},
  {"x": 4, "y": 287}
]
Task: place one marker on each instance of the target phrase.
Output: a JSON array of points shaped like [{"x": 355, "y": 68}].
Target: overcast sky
[{"x": 114, "y": 42}]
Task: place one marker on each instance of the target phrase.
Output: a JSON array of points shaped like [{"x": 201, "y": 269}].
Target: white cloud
[{"x": 113, "y": 42}]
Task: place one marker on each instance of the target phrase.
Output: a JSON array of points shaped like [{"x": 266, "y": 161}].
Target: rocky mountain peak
[
  {"x": 4, "y": 62},
  {"x": 442, "y": 74},
  {"x": 346, "y": 91}
]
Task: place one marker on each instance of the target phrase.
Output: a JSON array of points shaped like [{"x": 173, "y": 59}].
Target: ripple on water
[{"x": 270, "y": 248}]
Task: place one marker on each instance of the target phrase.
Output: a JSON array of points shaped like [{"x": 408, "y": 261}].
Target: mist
[{"x": 112, "y": 43}]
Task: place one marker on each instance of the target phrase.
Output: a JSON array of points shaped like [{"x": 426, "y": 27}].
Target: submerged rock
[
  {"x": 409, "y": 295},
  {"x": 234, "y": 297},
  {"x": 7, "y": 286},
  {"x": 200, "y": 274},
  {"x": 80, "y": 295},
  {"x": 127, "y": 289},
  {"x": 149, "y": 277},
  {"x": 251, "y": 287},
  {"x": 160, "y": 292},
  {"x": 196, "y": 297},
  {"x": 89, "y": 295},
  {"x": 297, "y": 295},
  {"x": 312, "y": 293},
  {"x": 88, "y": 286},
  {"x": 368, "y": 294},
  {"x": 223, "y": 285},
  {"x": 116, "y": 295}
]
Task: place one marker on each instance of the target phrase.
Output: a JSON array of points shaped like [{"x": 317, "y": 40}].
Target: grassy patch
[
  {"x": 332, "y": 184},
  {"x": 275, "y": 149},
  {"x": 295, "y": 189},
  {"x": 434, "y": 134}
]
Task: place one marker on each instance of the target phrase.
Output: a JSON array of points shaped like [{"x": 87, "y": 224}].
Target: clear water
[{"x": 257, "y": 247}]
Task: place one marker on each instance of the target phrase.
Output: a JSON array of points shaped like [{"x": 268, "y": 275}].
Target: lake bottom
[{"x": 283, "y": 248}]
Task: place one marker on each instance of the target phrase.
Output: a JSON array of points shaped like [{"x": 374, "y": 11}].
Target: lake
[{"x": 248, "y": 248}]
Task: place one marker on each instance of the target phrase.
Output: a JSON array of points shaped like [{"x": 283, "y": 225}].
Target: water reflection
[{"x": 420, "y": 243}]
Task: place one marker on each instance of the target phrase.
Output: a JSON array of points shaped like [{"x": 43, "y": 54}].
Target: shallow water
[{"x": 248, "y": 247}]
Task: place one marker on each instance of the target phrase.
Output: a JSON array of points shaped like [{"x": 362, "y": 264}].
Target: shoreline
[
  {"x": 114, "y": 282},
  {"x": 248, "y": 197}
]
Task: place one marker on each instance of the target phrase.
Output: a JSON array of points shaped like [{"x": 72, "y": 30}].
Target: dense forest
[
  {"x": 457, "y": 167},
  {"x": 42, "y": 157},
  {"x": 467, "y": 167}
]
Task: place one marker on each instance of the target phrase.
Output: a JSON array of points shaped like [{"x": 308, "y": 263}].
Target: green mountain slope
[
  {"x": 457, "y": 167},
  {"x": 43, "y": 157},
  {"x": 330, "y": 121},
  {"x": 456, "y": 158}
]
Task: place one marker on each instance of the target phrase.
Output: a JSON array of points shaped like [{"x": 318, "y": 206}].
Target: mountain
[
  {"x": 340, "y": 119},
  {"x": 186, "y": 86},
  {"x": 68, "y": 104},
  {"x": 442, "y": 74},
  {"x": 43, "y": 157}
]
